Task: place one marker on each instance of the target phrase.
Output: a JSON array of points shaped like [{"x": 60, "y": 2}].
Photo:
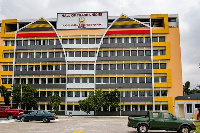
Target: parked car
[
  {"x": 39, "y": 115},
  {"x": 160, "y": 121},
  {"x": 6, "y": 111}
]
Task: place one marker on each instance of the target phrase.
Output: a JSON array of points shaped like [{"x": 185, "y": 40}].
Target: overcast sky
[{"x": 187, "y": 10}]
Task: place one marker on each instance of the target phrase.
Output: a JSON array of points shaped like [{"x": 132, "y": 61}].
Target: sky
[{"x": 188, "y": 12}]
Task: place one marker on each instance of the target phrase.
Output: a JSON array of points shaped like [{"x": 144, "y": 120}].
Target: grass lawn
[{"x": 198, "y": 127}]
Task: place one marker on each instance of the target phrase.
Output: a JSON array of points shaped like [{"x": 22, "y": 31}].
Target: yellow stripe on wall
[
  {"x": 125, "y": 23},
  {"x": 38, "y": 25}
]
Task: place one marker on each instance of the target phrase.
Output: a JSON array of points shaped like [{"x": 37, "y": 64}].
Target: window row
[
  {"x": 143, "y": 93},
  {"x": 85, "y": 41},
  {"x": 130, "y": 53},
  {"x": 123, "y": 108},
  {"x": 114, "y": 80},
  {"x": 130, "y": 66},
  {"x": 105, "y": 80},
  {"x": 39, "y": 67}
]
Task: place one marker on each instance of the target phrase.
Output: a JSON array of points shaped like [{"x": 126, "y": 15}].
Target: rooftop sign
[{"x": 82, "y": 20}]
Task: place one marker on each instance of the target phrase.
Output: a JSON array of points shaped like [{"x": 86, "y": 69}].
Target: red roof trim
[
  {"x": 128, "y": 32},
  {"x": 36, "y": 34}
]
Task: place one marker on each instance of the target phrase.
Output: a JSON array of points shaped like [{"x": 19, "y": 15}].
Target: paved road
[{"x": 70, "y": 125}]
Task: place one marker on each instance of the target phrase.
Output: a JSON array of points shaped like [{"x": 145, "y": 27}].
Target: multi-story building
[{"x": 77, "y": 53}]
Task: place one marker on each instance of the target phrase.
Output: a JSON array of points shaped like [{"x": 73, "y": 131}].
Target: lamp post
[{"x": 21, "y": 98}]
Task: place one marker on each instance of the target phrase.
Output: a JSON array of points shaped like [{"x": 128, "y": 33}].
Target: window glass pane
[
  {"x": 38, "y": 42},
  {"x": 162, "y": 52},
  {"x": 147, "y": 52},
  {"x": 105, "y": 80},
  {"x": 70, "y": 80},
  {"x": 70, "y": 94},
  {"x": 78, "y": 41},
  {"x": 112, "y": 80},
  {"x": 31, "y": 55},
  {"x": 127, "y": 80},
  {"x": 84, "y": 93},
  {"x": 71, "y": 41},
  {"x": 133, "y": 39},
  {"x": 91, "y": 54},
  {"x": 18, "y": 55},
  {"x": 126, "y": 40},
  {"x": 19, "y": 43},
  {"x": 63, "y": 80},
  {"x": 84, "y": 67},
  {"x": 154, "y": 39},
  {"x": 119, "y": 80},
  {"x": 141, "y": 93},
  {"x": 70, "y": 67},
  {"x": 119, "y": 53},
  {"x": 63, "y": 95},
  {"x": 156, "y": 79},
  {"x": 134, "y": 93},
  {"x": 77, "y": 93},
  {"x": 148, "y": 80},
  {"x": 155, "y": 52},
  {"x": 77, "y": 67},
  {"x": 162, "y": 39},
  {"x": 71, "y": 54},
  {"x": 119, "y": 40},
  {"x": 44, "y": 55},
  {"x": 84, "y": 80},
  {"x": 105, "y": 66},
  {"x": 157, "y": 107},
  {"x": 112, "y": 40},
  {"x": 50, "y": 67},
  {"x": 44, "y": 67},
  {"x": 30, "y": 67},
  {"x": 163, "y": 93},
  {"x": 70, "y": 107},
  {"x": 141, "y": 79},
  {"x": 91, "y": 41},
  {"x": 142, "y": 107},
  {"x": 148, "y": 66},
  {"x": 163, "y": 79},
  {"x": 155, "y": 65},
  {"x": 98, "y": 40},
  {"x": 51, "y": 42},
  {"x": 91, "y": 67},
  {"x": 50, "y": 80},
  {"x": 57, "y": 54},
  {"x": 149, "y": 93},
  {"x": 43, "y": 81},
  {"x": 57, "y": 80},
  {"x": 10, "y": 68},
  {"x": 141, "y": 66},
  {"x": 164, "y": 107},
  {"x": 85, "y": 54},
  {"x": 45, "y": 42},
  {"x": 105, "y": 53},
  {"x": 51, "y": 54},
  {"x": 134, "y": 79},
  {"x": 134, "y": 66},
  {"x": 5, "y": 68},
  {"x": 126, "y": 53},
  {"x": 156, "y": 93},
  {"x": 112, "y": 66},
  {"x": 140, "y": 52},
  {"x": 149, "y": 107},
  {"x": 24, "y": 68},
  {"x": 147, "y": 40},
  {"x": 64, "y": 41},
  {"x": 77, "y": 80},
  {"x": 127, "y": 93},
  {"x": 126, "y": 66},
  {"x": 140, "y": 39},
  {"x": 38, "y": 55},
  {"x": 119, "y": 66},
  {"x": 84, "y": 41},
  {"x": 189, "y": 108},
  {"x": 105, "y": 41},
  {"x": 25, "y": 43},
  {"x": 78, "y": 54},
  {"x": 112, "y": 53},
  {"x": 98, "y": 80},
  {"x": 91, "y": 80}
]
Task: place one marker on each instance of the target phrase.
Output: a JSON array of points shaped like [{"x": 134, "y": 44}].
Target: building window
[
  {"x": 119, "y": 66},
  {"x": 63, "y": 80},
  {"x": 105, "y": 53},
  {"x": 19, "y": 43},
  {"x": 91, "y": 41},
  {"x": 148, "y": 80},
  {"x": 134, "y": 79},
  {"x": 85, "y": 54},
  {"x": 70, "y": 107},
  {"x": 126, "y": 53},
  {"x": 76, "y": 108},
  {"x": 133, "y": 53},
  {"x": 155, "y": 65},
  {"x": 78, "y": 67},
  {"x": 50, "y": 80},
  {"x": 112, "y": 80},
  {"x": 98, "y": 80},
  {"x": 148, "y": 66},
  {"x": 163, "y": 79},
  {"x": 84, "y": 41},
  {"x": 149, "y": 107},
  {"x": 157, "y": 107},
  {"x": 134, "y": 93},
  {"x": 98, "y": 67},
  {"x": 162, "y": 52},
  {"x": 112, "y": 53},
  {"x": 147, "y": 40},
  {"x": 162, "y": 39},
  {"x": 162, "y": 65},
  {"x": 127, "y": 107},
  {"x": 105, "y": 41},
  {"x": 155, "y": 52},
  {"x": 164, "y": 107},
  {"x": 189, "y": 108},
  {"x": 50, "y": 67},
  {"x": 141, "y": 93},
  {"x": 105, "y": 80},
  {"x": 140, "y": 39},
  {"x": 91, "y": 54},
  {"x": 163, "y": 93},
  {"x": 112, "y": 66},
  {"x": 156, "y": 79},
  {"x": 91, "y": 67},
  {"x": 127, "y": 80},
  {"x": 77, "y": 80},
  {"x": 91, "y": 80},
  {"x": 70, "y": 94},
  {"x": 84, "y": 80},
  {"x": 119, "y": 40},
  {"x": 119, "y": 53},
  {"x": 154, "y": 39},
  {"x": 134, "y": 66},
  {"x": 140, "y": 53},
  {"x": 71, "y": 41},
  {"x": 64, "y": 41},
  {"x": 126, "y": 40},
  {"x": 149, "y": 93},
  {"x": 84, "y": 67},
  {"x": 112, "y": 40},
  {"x": 133, "y": 39},
  {"x": 51, "y": 42},
  {"x": 105, "y": 66},
  {"x": 84, "y": 93},
  {"x": 127, "y": 93},
  {"x": 141, "y": 79},
  {"x": 78, "y": 41},
  {"x": 78, "y": 54},
  {"x": 119, "y": 80},
  {"x": 71, "y": 54},
  {"x": 126, "y": 66},
  {"x": 148, "y": 53},
  {"x": 98, "y": 40},
  {"x": 141, "y": 66},
  {"x": 142, "y": 107},
  {"x": 157, "y": 93},
  {"x": 77, "y": 93},
  {"x": 70, "y": 67}
]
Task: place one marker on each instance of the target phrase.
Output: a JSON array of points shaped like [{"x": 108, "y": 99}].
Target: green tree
[
  {"x": 28, "y": 96},
  {"x": 5, "y": 94},
  {"x": 100, "y": 99},
  {"x": 54, "y": 102},
  {"x": 186, "y": 88}
]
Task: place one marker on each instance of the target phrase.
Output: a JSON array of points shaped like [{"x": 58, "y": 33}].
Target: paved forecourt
[{"x": 69, "y": 125}]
